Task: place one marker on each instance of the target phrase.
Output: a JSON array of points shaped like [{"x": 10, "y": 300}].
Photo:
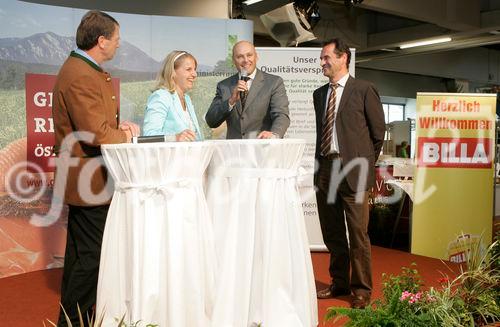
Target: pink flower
[
  {"x": 412, "y": 298},
  {"x": 405, "y": 295}
]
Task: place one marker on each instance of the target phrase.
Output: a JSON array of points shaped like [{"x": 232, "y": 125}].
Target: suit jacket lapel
[
  {"x": 349, "y": 87},
  {"x": 257, "y": 84}
]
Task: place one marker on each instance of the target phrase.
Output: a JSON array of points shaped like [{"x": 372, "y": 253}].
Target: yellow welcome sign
[{"x": 453, "y": 191}]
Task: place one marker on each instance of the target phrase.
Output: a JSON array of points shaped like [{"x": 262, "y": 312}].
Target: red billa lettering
[{"x": 442, "y": 152}]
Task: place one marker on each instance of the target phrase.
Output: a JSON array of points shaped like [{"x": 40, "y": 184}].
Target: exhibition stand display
[{"x": 454, "y": 175}]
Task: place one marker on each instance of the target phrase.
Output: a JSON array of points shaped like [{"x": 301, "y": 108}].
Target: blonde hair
[{"x": 174, "y": 59}]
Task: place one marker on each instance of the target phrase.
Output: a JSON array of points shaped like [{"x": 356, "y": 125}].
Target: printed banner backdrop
[
  {"x": 453, "y": 206},
  {"x": 33, "y": 46},
  {"x": 301, "y": 71},
  {"x": 39, "y": 123}
]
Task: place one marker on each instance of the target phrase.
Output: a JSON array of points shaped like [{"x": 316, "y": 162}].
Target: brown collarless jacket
[{"x": 84, "y": 101}]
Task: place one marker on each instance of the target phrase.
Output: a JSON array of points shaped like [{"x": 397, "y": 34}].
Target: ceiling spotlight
[
  {"x": 313, "y": 13},
  {"x": 308, "y": 12},
  {"x": 350, "y": 3}
]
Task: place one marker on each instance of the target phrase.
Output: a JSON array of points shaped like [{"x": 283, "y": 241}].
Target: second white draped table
[{"x": 264, "y": 268}]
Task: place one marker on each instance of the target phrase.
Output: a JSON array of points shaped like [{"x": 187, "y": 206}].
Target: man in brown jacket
[
  {"x": 350, "y": 128},
  {"x": 85, "y": 114}
]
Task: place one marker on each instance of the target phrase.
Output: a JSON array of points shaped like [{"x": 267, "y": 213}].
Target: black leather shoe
[{"x": 331, "y": 292}]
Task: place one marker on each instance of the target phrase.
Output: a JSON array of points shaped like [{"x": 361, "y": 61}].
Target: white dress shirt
[
  {"x": 86, "y": 55},
  {"x": 340, "y": 89},
  {"x": 249, "y": 83}
]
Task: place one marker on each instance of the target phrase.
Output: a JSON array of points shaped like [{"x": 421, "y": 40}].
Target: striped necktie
[
  {"x": 326, "y": 137},
  {"x": 244, "y": 94}
]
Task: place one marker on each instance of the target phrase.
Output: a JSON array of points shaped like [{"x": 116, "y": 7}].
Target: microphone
[
  {"x": 149, "y": 139},
  {"x": 243, "y": 77}
]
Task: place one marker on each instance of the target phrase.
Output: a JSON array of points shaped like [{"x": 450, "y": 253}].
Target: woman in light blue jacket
[{"x": 169, "y": 110}]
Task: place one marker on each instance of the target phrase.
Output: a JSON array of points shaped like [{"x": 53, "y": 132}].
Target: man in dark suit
[
  {"x": 350, "y": 129},
  {"x": 84, "y": 101},
  {"x": 252, "y": 103}
]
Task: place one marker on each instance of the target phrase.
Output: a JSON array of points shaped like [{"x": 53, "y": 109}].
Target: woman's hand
[{"x": 186, "y": 135}]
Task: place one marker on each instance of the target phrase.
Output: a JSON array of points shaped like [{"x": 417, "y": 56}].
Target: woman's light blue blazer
[{"x": 164, "y": 115}]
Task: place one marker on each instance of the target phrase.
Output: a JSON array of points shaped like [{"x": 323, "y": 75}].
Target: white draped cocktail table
[{"x": 157, "y": 259}]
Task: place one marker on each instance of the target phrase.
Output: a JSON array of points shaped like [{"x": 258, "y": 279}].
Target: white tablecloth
[
  {"x": 157, "y": 259},
  {"x": 405, "y": 185},
  {"x": 264, "y": 265}
]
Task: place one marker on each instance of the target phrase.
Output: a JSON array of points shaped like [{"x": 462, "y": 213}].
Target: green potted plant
[{"x": 470, "y": 299}]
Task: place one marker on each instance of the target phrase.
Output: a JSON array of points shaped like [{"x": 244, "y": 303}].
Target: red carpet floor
[{"x": 27, "y": 300}]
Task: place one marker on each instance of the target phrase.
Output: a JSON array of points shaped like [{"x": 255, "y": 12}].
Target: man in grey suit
[
  {"x": 350, "y": 128},
  {"x": 252, "y": 103}
]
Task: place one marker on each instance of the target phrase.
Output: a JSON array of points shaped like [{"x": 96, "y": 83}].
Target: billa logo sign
[{"x": 447, "y": 152}]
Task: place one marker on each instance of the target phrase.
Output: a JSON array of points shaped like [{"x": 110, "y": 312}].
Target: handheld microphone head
[
  {"x": 243, "y": 74},
  {"x": 243, "y": 77}
]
